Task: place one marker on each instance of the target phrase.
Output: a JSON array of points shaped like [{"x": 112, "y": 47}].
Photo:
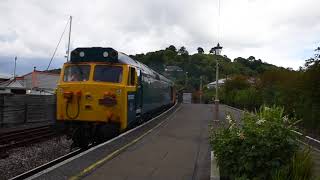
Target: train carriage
[{"x": 103, "y": 92}]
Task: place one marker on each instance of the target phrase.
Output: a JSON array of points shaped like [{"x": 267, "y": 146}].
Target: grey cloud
[{"x": 31, "y": 29}]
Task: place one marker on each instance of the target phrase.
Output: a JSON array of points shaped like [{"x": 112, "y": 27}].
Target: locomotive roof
[
  {"x": 125, "y": 59},
  {"x": 107, "y": 54}
]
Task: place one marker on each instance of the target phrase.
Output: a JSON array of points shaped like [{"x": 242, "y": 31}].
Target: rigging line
[{"x": 55, "y": 50}]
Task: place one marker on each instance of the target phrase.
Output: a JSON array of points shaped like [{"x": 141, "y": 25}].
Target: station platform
[
  {"x": 175, "y": 147},
  {"x": 178, "y": 149}
]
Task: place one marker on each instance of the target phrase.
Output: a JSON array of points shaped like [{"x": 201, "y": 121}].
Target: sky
[{"x": 283, "y": 33}]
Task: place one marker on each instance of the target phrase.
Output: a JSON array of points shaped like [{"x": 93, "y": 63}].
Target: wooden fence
[{"x": 17, "y": 109}]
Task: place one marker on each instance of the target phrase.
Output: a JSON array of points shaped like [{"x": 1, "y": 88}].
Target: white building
[{"x": 214, "y": 83}]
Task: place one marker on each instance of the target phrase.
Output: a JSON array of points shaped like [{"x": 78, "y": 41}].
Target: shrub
[{"x": 256, "y": 150}]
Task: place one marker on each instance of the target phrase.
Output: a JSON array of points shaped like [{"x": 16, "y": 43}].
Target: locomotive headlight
[
  {"x": 81, "y": 54},
  {"x": 105, "y": 54}
]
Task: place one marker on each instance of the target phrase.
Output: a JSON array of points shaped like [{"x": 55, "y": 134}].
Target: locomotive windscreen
[{"x": 94, "y": 54}]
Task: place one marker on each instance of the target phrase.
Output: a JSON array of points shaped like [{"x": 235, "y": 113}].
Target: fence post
[
  {"x": 1, "y": 110},
  {"x": 25, "y": 112}
]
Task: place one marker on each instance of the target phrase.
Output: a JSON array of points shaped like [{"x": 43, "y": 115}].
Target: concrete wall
[{"x": 17, "y": 109}]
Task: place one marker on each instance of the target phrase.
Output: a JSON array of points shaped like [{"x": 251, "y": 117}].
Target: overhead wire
[{"x": 55, "y": 50}]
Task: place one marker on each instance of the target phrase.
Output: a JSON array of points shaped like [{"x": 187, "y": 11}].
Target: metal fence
[{"x": 18, "y": 109}]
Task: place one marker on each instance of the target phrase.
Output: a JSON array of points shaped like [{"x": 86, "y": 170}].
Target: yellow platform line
[{"x": 118, "y": 151}]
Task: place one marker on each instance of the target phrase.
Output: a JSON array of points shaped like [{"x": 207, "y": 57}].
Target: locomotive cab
[{"x": 94, "y": 91}]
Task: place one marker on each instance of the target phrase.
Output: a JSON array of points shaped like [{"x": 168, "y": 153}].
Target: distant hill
[{"x": 201, "y": 64}]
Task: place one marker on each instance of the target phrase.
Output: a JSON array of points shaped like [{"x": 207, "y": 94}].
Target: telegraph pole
[
  {"x": 68, "y": 52},
  {"x": 15, "y": 66}
]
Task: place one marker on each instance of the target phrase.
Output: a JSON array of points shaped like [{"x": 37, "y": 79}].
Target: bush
[
  {"x": 247, "y": 98},
  {"x": 259, "y": 148}
]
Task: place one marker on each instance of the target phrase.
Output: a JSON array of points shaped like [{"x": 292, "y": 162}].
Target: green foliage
[
  {"x": 236, "y": 83},
  {"x": 297, "y": 91},
  {"x": 300, "y": 168},
  {"x": 240, "y": 93},
  {"x": 256, "y": 150}
]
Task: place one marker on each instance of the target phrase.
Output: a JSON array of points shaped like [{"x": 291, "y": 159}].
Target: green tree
[
  {"x": 211, "y": 51},
  {"x": 183, "y": 51},
  {"x": 200, "y": 50},
  {"x": 172, "y": 48}
]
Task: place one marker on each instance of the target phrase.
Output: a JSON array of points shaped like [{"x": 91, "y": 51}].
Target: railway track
[
  {"x": 24, "y": 137},
  {"x": 46, "y": 167}
]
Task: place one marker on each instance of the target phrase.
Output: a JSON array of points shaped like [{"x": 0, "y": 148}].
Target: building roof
[
  {"x": 173, "y": 68},
  {"x": 42, "y": 72},
  {"x": 16, "y": 83},
  {"x": 220, "y": 81},
  {"x": 214, "y": 83}
]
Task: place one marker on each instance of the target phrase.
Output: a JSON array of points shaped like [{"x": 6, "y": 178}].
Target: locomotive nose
[{"x": 86, "y": 102}]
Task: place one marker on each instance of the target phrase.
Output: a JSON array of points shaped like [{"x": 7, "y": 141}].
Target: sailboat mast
[{"x": 69, "y": 39}]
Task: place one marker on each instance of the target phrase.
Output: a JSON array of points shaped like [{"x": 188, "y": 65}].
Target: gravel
[{"x": 26, "y": 158}]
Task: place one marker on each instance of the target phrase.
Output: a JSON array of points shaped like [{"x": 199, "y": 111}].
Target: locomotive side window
[
  {"x": 105, "y": 73},
  {"x": 76, "y": 73},
  {"x": 132, "y": 76}
]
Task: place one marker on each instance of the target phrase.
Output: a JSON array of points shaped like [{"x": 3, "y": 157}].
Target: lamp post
[
  {"x": 217, "y": 52},
  {"x": 200, "y": 89}
]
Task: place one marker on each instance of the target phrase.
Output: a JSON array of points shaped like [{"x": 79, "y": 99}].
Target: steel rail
[{"x": 23, "y": 137}]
